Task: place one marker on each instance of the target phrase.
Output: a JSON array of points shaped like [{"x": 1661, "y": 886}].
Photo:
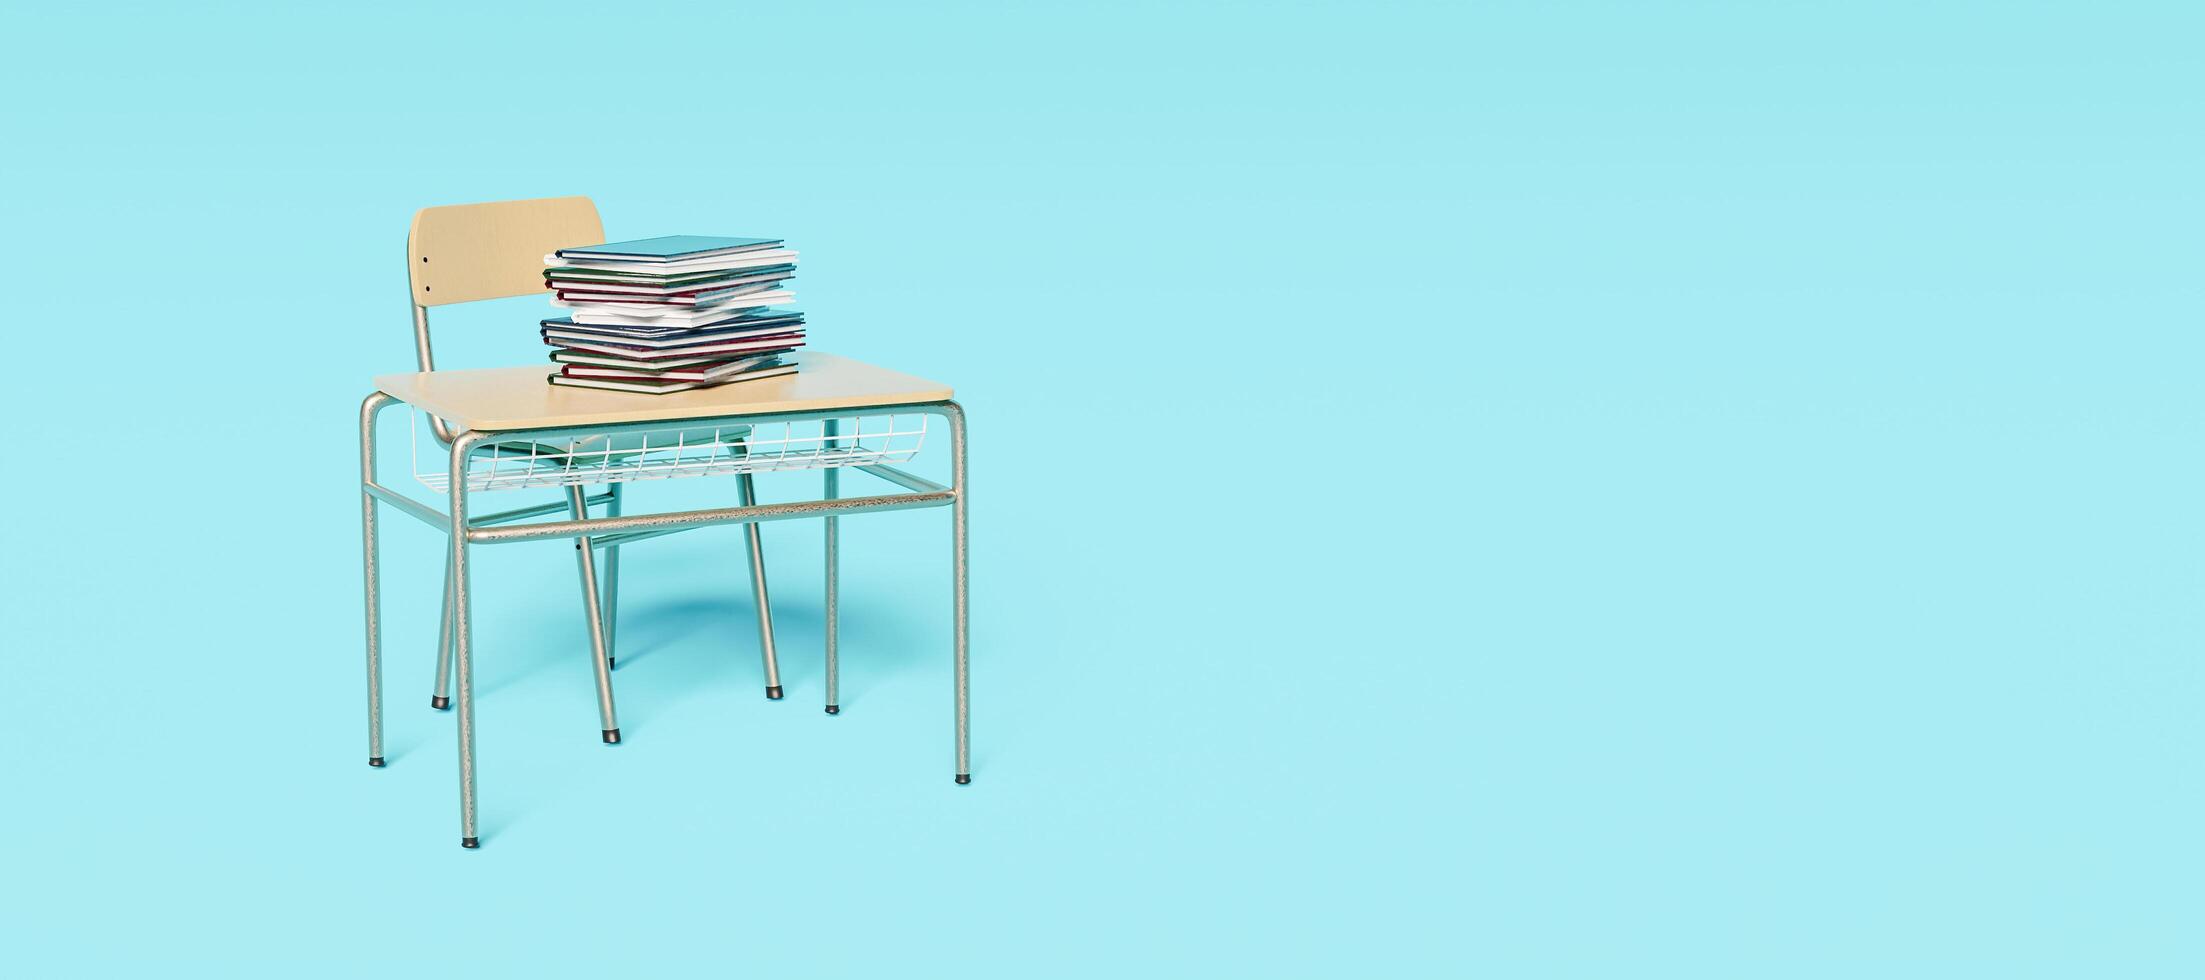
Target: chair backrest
[
  {"x": 464, "y": 252},
  {"x": 460, "y": 253}
]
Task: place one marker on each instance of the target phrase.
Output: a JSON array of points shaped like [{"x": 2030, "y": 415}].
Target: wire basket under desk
[{"x": 676, "y": 451}]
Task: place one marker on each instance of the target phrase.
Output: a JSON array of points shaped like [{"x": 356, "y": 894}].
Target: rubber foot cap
[
  {"x": 834, "y": 709},
  {"x": 377, "y": 762},
  {"x": 440, "y": 704},
  {"x": 964, "y": 779},
  {"x": 612, "y": 663},
  {"x": 470, "y": 842},
  {"x": 612, "y": 736},
  {"x": 773, "y": 694}
]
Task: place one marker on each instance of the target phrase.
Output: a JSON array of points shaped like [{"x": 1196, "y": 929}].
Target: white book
[
  {"x": 745, "y": 260},
  {"x": 624, "y": 320},
  {"x": 657, "y": 315},
  {"x": 677, "y": 340},
  {"x": 731, "y": 347},
  {"x": 704, "y": 300},
  {"x": 564, "y": 356}
]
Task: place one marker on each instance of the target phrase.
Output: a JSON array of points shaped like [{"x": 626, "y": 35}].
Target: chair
[{"x": 470, "y": 252}]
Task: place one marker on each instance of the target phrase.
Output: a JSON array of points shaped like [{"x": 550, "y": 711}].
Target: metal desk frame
[{"x": 466, "y": 531}]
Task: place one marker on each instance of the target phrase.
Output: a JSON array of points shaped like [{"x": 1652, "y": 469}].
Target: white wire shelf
[{"x": 517, "y": 463}]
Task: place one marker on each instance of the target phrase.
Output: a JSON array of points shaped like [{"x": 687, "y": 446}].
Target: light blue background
[{"x": 1596, "y": 489}]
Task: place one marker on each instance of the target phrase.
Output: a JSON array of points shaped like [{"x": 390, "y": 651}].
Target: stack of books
[{"x": 670, "y": 314}]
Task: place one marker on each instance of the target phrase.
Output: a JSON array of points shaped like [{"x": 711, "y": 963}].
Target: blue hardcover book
[{"x": 668, "y": 248}]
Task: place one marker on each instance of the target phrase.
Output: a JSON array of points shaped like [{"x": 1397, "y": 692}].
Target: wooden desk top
[{"x": 516, "y": 398}]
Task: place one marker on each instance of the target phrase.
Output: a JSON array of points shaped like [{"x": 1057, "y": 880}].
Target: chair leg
[
  {"x": 598, "y": 664},
  {"x": 463, "y": 670},
  {"x": 612, "y": 585},
  {"x": 749, "y": 491},
  {"x": 441, "y": 700}
]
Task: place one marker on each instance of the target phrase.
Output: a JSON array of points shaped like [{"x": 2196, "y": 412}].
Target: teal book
[{"x": 668, "y": 248}]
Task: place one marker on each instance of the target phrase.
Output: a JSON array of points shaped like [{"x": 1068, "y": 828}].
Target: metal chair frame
[{"x": 555, "y": 223}]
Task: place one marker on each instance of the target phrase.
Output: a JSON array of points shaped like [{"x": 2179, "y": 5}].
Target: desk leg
[
  {"x": 442, "y": 700},
  {"x": 463, "y": 673},
  {"x": 833, "y": 490},
  {"x": 956, "y": 415},
  {"x": 600, "y": 661},
  {"x": 612, "y": 584},
  {"x": 758, "y": 589},
  {"x": 371, "y": 575}
]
